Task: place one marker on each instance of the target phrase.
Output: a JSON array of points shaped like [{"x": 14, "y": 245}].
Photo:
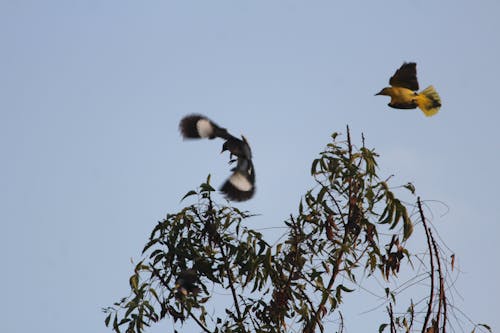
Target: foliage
[{"x": 350, "y": 224}]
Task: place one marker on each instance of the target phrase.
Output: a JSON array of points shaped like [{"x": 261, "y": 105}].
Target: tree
[{"x": 350, "y": 224}]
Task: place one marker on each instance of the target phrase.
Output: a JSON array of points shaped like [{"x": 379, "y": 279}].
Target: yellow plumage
[
  {"x": 403, "y": 92},
  {"x": 429, "y": 101}
]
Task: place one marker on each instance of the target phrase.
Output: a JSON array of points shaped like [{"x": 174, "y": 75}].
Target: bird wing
[
  {"x": 246, "y": 149},
  {"x": 198, "y": 126},
  {"x": 405, "y": 77},
  {"x": 240, "y": 186},
  {"x": 404, "y": 105}
]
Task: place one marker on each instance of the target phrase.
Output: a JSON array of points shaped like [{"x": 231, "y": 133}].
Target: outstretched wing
[
  {"x": 196, "y": 126},
  {"x": 240, "y": 186},
  {"x": 406, "y": 77}
]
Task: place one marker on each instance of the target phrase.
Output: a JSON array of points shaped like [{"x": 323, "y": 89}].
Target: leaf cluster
[{"x": 350, "y": 223}]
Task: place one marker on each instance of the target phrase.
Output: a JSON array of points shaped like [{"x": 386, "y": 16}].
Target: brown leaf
[{"x": 329, "y": 232}]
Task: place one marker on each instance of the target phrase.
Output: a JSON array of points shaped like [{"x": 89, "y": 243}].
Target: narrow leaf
[
  {"x": 382, "y": 327},
  {"x": 190, "y": 193}
]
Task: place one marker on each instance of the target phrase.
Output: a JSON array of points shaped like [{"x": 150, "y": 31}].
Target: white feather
[
  {"x": 241, "y": 182},
  {"x": 204, "y": 128}
]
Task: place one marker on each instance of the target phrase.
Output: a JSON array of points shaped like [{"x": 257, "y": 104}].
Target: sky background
[{"x": 91, "y": 93}]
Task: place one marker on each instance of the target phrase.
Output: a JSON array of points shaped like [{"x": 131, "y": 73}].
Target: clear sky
[{"x": 91, "y": 93}]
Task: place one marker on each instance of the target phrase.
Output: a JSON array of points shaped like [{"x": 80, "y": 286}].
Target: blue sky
[{"x": 91, "y": 93}]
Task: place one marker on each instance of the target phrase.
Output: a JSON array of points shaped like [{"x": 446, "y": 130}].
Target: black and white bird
[{"x": 240, "y": 186}]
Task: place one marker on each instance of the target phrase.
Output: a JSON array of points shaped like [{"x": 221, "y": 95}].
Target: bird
[
  {"x": 240, "y": 186},
  {"x": 404, "y": 95},
  {"x": 186, "y": 282}
]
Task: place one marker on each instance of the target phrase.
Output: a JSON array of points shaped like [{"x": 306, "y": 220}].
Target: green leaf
[
  {"x": 314, "y": 166},
  {"x": 149, "y": 244},
  {"x": 155, "y": 295},
  {"x": 115, "y": 324},
  {"x": 134, "y": 281},
  {"x": 190, "y": 193},
  {"x": 106, "y": 321},
  {"x": 387, "y": 214},
  {"x": 321, "y": 194},
  {"x": 344, "y": 288},
  {"x": 382, "y": 328},
  {"x": 205, "y": 187},
  {"x": 407, "y": 227},
  {"x": 485, "y": 326},
  {"x": 397, "y": 216}
]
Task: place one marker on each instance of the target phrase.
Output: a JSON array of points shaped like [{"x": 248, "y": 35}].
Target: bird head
[
  {"x": 236, "y": 147},
  {"x": 225, "y": 147},
  {"x": 384, "y": 91}
]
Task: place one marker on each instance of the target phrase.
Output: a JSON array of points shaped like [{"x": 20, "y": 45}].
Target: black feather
[
  {"x": 406, "y": 77},
  {"x": 243, "y": 172},
  {"x": 243, "y": 175},
  {"x": 189, "y": 128}
]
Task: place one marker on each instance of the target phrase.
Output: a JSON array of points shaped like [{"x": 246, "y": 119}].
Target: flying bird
[
  {"x": 404, "y": 95},
  {"x": 240, "y": 186}
]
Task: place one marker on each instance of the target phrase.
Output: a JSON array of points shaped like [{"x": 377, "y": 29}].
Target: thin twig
[
  {"x": 431, "y": 259},
  {"x": 339, "y": 259},
  {"x": 341, "y": 324},
  {"x": 391, "y": 316},
  {"x": 227, "y": 268},
  {"x": 442, "y": 296}
]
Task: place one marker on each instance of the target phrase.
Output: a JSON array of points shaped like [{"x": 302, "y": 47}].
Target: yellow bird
[{"x": 404, "y": 95}]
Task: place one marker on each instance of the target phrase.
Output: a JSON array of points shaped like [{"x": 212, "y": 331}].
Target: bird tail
[
  {"x": 429, "y": 101},
  {"x": 241, "y": 184},
  {"x": 196, "y": 126}
]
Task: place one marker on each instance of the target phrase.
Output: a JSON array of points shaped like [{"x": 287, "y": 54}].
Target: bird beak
[{"x": 379, "y": 93}]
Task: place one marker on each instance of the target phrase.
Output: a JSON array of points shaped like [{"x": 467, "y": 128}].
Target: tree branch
[
  {"x": 156, "y": 273},
  {"x": 227, "y": 268},
  {"x": 391, "y": 316},
  {"x": 442, "y": 296},
  {"x": 431, "y": 259}
]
